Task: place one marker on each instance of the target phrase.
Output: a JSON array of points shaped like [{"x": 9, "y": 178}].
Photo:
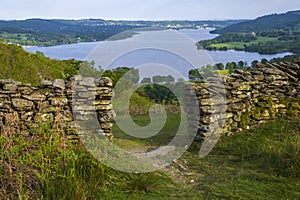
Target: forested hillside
[
  {"x": 48, "y": 32},
  {"x": 53, "y": 32},
  {"x": 269, "y": 34},
  {"x": 284, "y": 22}
]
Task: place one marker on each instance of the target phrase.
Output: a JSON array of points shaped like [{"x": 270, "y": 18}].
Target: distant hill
[
  {"x": 286, "y": 21},
  {"x": 17, "y": 64},
  {"x": 100, "y": 25},
  {"x": 48, "y": 32},
  {"x": 269, "y": 34}
]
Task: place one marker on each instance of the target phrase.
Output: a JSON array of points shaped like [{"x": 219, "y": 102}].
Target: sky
[{"x": 144, "y": 9}]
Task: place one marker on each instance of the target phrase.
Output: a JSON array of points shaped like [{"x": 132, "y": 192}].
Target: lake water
[
  {"x": 175, "y": 49},
  {"x": 80, "y": 51}
]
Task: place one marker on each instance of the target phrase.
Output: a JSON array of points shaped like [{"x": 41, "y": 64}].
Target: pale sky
[{"x": 144, "y": 9}]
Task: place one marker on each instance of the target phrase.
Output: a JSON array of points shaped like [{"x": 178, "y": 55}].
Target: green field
[
  {"x": 28, "y": 39},
  {"x": 240, "y": 45},
  {"x": 23, "y": 39},
  {"x": 223, "y": 72},
  {"x": 262, "y": 163}
]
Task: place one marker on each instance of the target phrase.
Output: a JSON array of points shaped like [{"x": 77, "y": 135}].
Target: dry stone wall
[
  {"x": 251, "y": 97},
  {"x": 23, "y": 107}
]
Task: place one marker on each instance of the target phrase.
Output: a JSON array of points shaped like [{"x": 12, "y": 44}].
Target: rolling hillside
[
  {"x": 46, "y": 32},
  {"x": 286, "y": 21},
  {"x": 17, "y": 64},
  {"x": 269, "y": 34}
]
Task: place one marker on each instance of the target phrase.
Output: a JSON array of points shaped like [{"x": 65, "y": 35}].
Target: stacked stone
[
  {"x": 103, "y": 105},
  {"x": 227, "y": 104},
  {"x": 91, "y": 105},
  {"x": 211, "y": 96},
  {"x": 23, "y": 106},
  {"x": 292, "y": 71},
  {"x": 251, "y": 97}
]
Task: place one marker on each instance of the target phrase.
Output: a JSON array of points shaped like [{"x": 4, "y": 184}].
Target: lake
[{"x": 168, "y": 48}]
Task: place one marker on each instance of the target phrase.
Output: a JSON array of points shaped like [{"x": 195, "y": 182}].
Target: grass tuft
[{"x": 262, "y": 163}]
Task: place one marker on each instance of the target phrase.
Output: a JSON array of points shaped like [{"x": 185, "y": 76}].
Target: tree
[
  {"x": 146, "y": 80},
  {"x": 235, "y": 65},
  {"x": 230, "y": 66},
  {"x": 163, "y": 79},
  {"x": 194, "y": 74},
  {"x": 125, "y": 73},
  {"x": 160, "y": 94},
  {"x": 209, "y": 67},
  {"x": 157, "y": 79},
  {"x": 241, "y": 64},
  {"x": 264, "y": 61},
  {"x": 207, "y": 71},
  {"x": 170, "y": 79},
  {"x": 219, "y": 66},
  {"x": 87, "y": 69},
  {"x": 133, "y": 75},
  {"x": 254, "y": 63}
]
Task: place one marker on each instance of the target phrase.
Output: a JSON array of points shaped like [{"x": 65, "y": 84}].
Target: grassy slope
[
  {"x": 17, "y": 64},
  {"x": 240, "y": 45},
  {"x": 262, "y": 163}
]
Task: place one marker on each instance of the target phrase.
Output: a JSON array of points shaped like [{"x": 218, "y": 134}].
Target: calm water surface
[{"x": 82, "y": 51}]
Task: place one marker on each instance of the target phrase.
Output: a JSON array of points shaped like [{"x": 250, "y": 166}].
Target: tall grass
[
  {"x": 44, "y": 164},
  {"x": 275, "y": 147},
  {"x": 262, "y": 163}
]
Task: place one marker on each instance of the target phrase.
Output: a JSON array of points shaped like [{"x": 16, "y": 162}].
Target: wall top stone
[{"x": 51, "y": 100}]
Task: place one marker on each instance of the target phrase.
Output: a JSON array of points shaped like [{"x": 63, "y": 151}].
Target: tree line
[{"x": 210, "y": 70}]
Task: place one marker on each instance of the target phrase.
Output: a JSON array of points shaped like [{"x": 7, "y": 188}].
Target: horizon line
[{"x": 145, "y": 20}]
